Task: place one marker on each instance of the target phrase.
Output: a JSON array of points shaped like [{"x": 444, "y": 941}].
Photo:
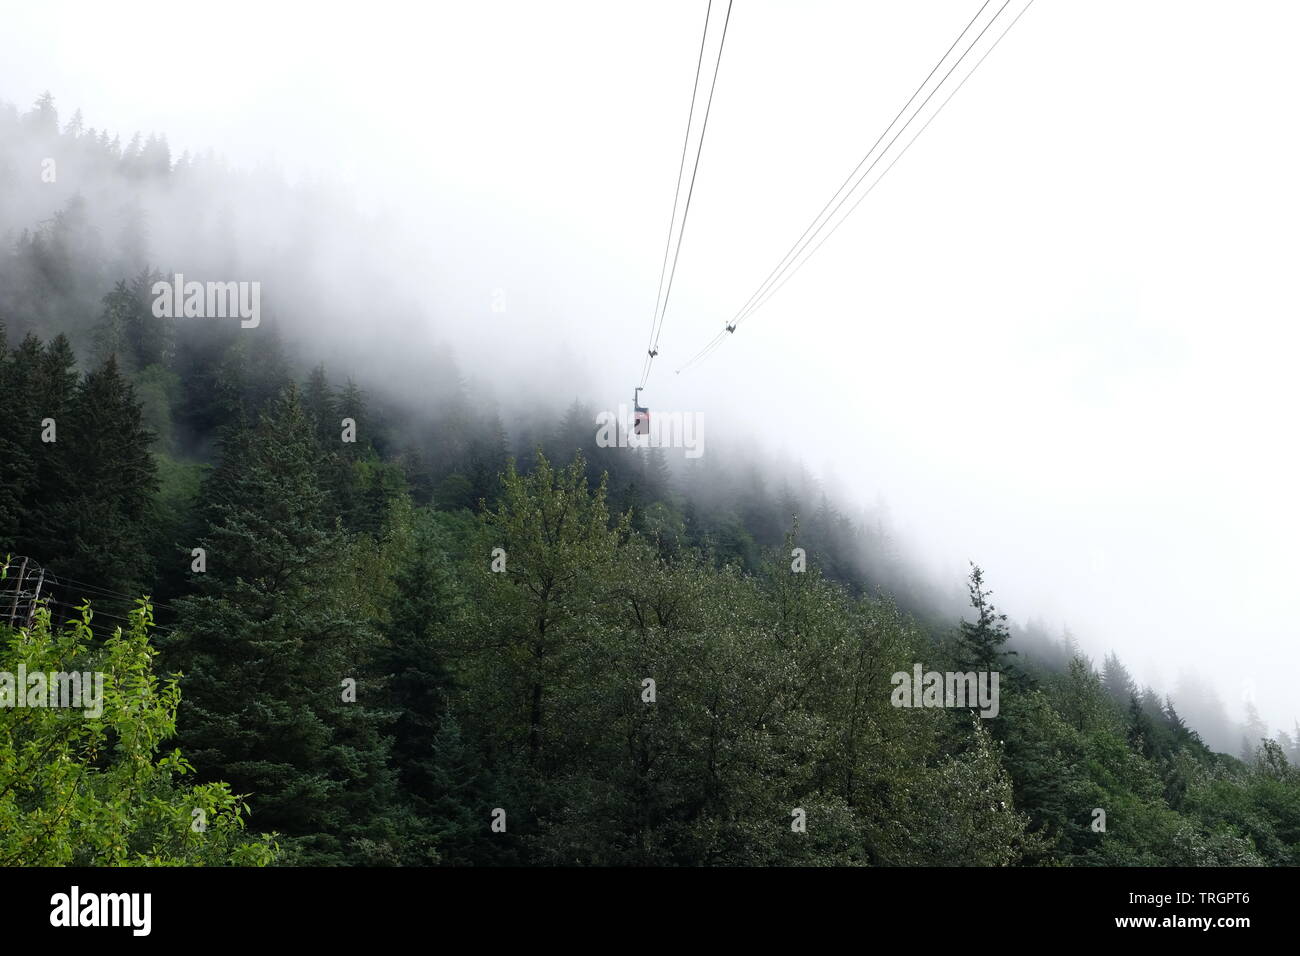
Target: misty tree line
[
  {"x": 56, "y": 269},
  {"x": 359, "y": 686}
]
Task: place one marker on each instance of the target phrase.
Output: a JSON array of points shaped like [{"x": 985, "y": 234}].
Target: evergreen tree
[
  {"x": 269, "y": 642},
  {"x": 556, "y": 542},
  {"x": 1253, "y": 733},
  {"x": 111, "y": 331},
  {"x": 438, "y": 772},
  {"x": 980, "y": 643},
  {"x": 320, "y": 404},
  {"x": 86, "y": 495},
  {"x": 97, "y": 530},
  {"x": 1139, "y": 727},
  {"x": 17, "y": 444},
  {"x": 1117, "y": 681},
  {"x": 43, "y": 119}
]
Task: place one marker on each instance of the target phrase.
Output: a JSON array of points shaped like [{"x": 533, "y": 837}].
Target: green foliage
[
  {"x": 128, "y": 331},
  {"x": 100, "y": 790},
  {"x": 980, "y": 643},
  {"x": 524, "y": 689},
  {"x": 959, "y": 812},
  {"x": 267, "y": 641},
  {"x": 82, "y": 501},
  {"x": 438, "y": 774}
]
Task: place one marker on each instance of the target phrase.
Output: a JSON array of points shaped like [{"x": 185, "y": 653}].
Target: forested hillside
[{"x": 368, "y": 629}]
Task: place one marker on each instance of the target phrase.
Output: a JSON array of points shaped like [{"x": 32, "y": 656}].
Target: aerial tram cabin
[{"x": 640, "y": 415}]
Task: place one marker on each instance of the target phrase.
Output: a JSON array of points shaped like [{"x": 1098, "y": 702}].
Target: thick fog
[{"x": 1058, "y": 339}]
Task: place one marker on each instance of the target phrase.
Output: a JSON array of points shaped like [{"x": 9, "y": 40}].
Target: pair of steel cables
[{"x": 825, "y": 223}]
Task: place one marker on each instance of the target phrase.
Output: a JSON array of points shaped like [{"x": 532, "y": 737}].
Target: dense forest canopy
[{"x": 380, "y": 619}]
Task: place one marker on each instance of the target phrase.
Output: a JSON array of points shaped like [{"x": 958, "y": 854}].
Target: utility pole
[{"x": 26, "y": 593}]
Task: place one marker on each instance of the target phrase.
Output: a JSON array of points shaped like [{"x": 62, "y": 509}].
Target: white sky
[{"x": 1059, "y": 339}]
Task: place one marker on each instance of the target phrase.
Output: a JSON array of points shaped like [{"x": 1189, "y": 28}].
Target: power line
[
  {"x": 894, "y": 138},
  {"x": 96, "y": 614},
  {"x": 705, "y": 352},
  {"x": 56, "y": 584},
  {"x": 704, "y": 128},
  {"x": 894, "y": 161},
  {"x": 783, "y": 271},
  {"x": 793, "y": 250},
  {"x": 74, "y": 585},
  {"x": 681, "y": 170},
  {"x": 657, "y": 327}
]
